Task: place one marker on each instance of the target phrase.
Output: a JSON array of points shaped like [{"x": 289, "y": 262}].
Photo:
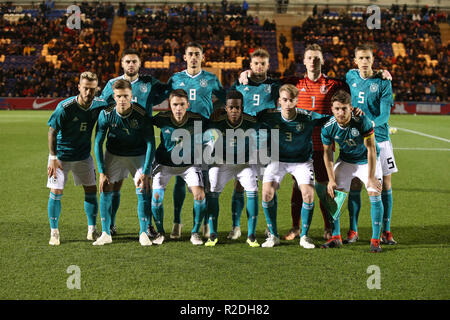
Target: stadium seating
[{"x": 411, "y": 49}]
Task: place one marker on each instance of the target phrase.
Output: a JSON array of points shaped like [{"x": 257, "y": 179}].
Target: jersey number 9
[{"x": 256, "y": 99}]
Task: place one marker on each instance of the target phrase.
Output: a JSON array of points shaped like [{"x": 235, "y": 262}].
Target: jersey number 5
[{"x": 361, "y": 97}]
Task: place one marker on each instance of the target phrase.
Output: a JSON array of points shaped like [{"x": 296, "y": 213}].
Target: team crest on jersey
[
  {"x": 134, "y": 124},
  {"x": 143, "y": 88},
  {"x": 374, "y": 87},
  {"x": 300, "y": 127},
  {"x": 203, "y": 83},
  {"x": 355, "y": 132},
  {"x": 323, "y": 89},
  {"x": 267, "y": 88},
  {"x": 246, "y": 89},
  {"x": 181, "y": 84}
]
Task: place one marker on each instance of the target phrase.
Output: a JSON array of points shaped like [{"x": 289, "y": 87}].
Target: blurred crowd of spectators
[
  {"x": 89, "y": 48},
  {"x": 164, "y": 31},
  {"x": 160, "y": 31}
]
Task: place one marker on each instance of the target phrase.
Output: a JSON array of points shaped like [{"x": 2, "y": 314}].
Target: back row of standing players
[{"x": 132, "y": 152}]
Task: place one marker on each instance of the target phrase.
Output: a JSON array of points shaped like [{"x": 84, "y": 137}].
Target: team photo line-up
[{"x": 260, "y": 129}]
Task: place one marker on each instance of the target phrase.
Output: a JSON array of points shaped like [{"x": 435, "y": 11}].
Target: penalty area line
[
  {"x": 424, "y": 149},
  {"x": 424, "y": 134}
]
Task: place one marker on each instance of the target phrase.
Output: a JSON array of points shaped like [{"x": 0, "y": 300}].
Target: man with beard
[{"x": 69, "y": 142}]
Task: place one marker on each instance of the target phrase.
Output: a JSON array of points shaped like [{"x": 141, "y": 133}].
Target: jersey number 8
[{"x": 192, "y": 94}]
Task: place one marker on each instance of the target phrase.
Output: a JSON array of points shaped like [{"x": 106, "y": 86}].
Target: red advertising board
[
  {"x": 51, "y": 103},
  {"x": 29, "y": 103}
]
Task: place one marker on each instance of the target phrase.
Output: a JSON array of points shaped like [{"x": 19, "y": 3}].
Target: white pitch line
[
  {"x": 424, "y": 134},
  {"x": 423, "y": 149}
]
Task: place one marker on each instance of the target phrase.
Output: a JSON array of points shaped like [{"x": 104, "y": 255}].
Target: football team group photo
[{"x": 296, "y": 150}]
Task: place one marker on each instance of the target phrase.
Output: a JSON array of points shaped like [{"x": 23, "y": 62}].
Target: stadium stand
[
  {"x": 40, "y": 56},
  {"x": 228, "y": 36}
]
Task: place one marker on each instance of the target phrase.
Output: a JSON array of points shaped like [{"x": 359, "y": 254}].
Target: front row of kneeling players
[{"x": 130, "y": 148}]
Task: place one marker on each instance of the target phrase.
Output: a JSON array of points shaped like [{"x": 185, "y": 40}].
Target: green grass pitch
[{"x": 417, "y": 268}]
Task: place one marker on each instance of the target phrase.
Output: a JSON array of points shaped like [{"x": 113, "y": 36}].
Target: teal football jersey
[
  {"x": 374, "y": 96},
  {"x": 258, "y": 96},
  {"x": 74, "y": 126},
  {"x": 147, "y": 92},
  {"x": 199, "y": 89},
  {"x": 350, "y": 138},
  {"x": 294, "y": 136},
  {"x": 238, "y": 142},
  {"x": 127, "y": 136},
  {"x": 185, "y": 140}
]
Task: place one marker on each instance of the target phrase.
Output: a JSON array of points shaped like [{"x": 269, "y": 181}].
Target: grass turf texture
[{"x": 417, "y": 268}]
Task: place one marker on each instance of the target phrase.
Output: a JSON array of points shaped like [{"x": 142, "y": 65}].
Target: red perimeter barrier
[{"x": 51, "y": 103}]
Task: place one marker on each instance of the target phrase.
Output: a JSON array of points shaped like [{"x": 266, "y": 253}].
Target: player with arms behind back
[
  {"x": 374, "y": 96},
  {"x": 200, "y": 86}
]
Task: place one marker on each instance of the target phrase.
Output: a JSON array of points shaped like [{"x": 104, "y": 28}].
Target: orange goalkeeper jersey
[{"x": 316, "y": 96}]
